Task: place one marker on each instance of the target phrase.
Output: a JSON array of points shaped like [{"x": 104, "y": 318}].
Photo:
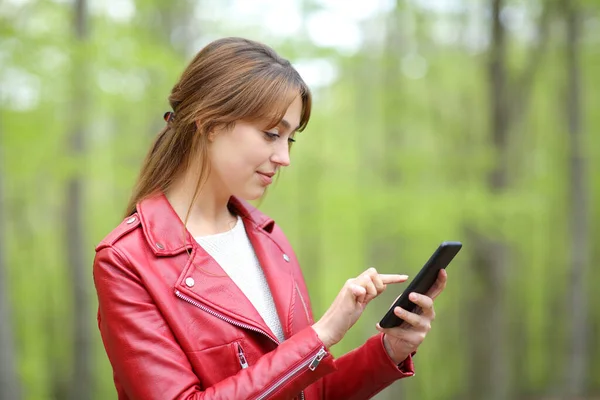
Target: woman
[{"x": 200, "y": 294}]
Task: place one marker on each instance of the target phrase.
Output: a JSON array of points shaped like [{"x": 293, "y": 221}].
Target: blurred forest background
[{"x": 470, "y": 120}]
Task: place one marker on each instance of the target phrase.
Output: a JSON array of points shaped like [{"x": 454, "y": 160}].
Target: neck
[{"x": 208, "y": 214}]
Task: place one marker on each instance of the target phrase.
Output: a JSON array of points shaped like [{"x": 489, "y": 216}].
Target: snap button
[
  {"x": 160, "y": 246},
  {"x": 286, "y": 258},
  {"x": 189, "y": 281},
  {"x": 130, "y": 220}
]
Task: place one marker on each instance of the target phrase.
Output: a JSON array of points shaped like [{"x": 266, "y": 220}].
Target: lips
[{"x": 266, "y": 177}]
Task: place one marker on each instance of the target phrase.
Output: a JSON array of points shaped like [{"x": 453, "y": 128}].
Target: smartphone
[{"x": 422, "y": 282}]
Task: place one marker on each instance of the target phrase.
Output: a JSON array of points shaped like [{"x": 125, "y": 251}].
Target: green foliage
[{"x": 389, "y": 167}]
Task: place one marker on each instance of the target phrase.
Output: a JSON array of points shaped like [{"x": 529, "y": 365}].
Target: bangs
[{"x": 269, "y": 97}]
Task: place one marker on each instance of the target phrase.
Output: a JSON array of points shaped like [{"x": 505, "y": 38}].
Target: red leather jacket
[{"x": 175, "y": 326}]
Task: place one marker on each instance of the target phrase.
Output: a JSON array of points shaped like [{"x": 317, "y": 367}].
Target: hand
[
  {"x": 350, "y": 303},
  {"x": 403, "y": 340}
]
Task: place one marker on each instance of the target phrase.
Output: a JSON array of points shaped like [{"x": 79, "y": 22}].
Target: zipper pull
[
  {"x": 315, "y": 361},
  {"x": 242, "y": 357}
]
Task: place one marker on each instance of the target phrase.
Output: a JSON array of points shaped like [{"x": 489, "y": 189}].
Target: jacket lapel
[{"x": 203, "y": 280}]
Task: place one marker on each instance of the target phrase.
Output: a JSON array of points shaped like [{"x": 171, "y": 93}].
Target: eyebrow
[{"x": 287, "y": 125}]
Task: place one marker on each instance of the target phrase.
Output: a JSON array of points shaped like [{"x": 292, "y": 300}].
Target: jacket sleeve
[
  {"x": 148, "y": 363},
  {"x": 364, "y": 372}
]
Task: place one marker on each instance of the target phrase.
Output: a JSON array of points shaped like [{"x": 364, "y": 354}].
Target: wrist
[
  {"x": 323, "y": 334},
  {"x": 395, "y": 357}
]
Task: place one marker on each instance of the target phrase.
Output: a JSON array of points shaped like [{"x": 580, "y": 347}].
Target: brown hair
[{"x": 229, "y": 80}]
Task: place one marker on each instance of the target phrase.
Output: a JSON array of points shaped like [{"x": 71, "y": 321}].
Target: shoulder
[
  {"x": 126, "y": 227},
  {"x": 112, "y": 261}
]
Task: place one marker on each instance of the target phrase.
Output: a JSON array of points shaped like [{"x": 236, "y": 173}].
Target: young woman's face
[{"x": 245, "y": 159}]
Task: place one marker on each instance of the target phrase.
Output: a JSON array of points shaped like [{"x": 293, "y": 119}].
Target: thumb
[{"x": 358, "y": 291}]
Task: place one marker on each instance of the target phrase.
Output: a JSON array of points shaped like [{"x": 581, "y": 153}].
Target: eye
[
  {"x": 291, "y": 140},
  {"x": 271, "y": 136}
]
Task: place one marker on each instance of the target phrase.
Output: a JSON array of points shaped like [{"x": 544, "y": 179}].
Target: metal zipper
[
  {"x": 312, "y": 363},
  {"x": 308, "y": 319},
  {"x": 221, "y": 316},
  {"x": 242, "y": 357}
]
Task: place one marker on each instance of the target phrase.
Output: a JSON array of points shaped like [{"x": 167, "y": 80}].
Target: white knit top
[{"x": 235, "y": 254}]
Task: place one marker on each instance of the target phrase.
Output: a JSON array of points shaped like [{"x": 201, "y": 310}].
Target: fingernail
[
  {"x": 413, "y": 296},
  {"x": 404, "y": 276}
]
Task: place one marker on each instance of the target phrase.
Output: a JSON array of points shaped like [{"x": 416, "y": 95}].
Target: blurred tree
[
  {"x": 309, "y": 246},
  {"x": 488, "y": 357},
  {"x": 9, "y": 381},
  {"x": 411, "y": 157},
  {"x": 578, "y": 189},
  {"x": 81, "y": 378},
  {"x": 392, "y": 120},
  {"x": 384, "y": 240},
  {"x": 508, "y": 99}
]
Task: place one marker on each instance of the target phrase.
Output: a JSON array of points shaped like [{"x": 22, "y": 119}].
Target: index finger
[{"x": 392, "y": 278}]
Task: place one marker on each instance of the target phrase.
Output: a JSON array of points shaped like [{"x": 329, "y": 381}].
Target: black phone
[{"x": 422, "y": 282}]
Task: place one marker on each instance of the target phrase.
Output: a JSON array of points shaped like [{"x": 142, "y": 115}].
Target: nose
[{"x": 281, "y": 155}]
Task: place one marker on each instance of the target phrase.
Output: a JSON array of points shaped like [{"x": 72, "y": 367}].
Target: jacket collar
[{"x": 166, "y": 234}]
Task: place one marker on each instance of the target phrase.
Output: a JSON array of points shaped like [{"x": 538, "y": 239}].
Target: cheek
[
  {"x": 228, "y": 165},
  {"x": 239, "y": 155},
  {"x": 234, "y": 164}
]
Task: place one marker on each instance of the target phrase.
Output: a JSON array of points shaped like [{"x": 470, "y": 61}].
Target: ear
[
  {"x": 216, "y": 130},
  {"x": 209, "y": 135}
]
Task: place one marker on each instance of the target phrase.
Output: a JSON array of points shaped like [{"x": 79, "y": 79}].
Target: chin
[{"x": 250, "y": 195}]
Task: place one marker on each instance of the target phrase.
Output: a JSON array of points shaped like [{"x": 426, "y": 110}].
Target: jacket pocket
[
  {"x": 214, "y": 364},
  {"x": 241, "y": 356}
]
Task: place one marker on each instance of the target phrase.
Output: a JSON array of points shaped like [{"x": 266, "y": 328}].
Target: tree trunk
[
  {"x": 310, "y": 249},
  {"x": 497, "y": 252},
  {"x": 577, "y": 300},
  {"x": 9, "y": 381},
  {"x": 392, "y": 140},
  {"x": 489, "y": 362},
  {"x": 380, "y": 156},
  {"x": 81, "y": 378}
]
